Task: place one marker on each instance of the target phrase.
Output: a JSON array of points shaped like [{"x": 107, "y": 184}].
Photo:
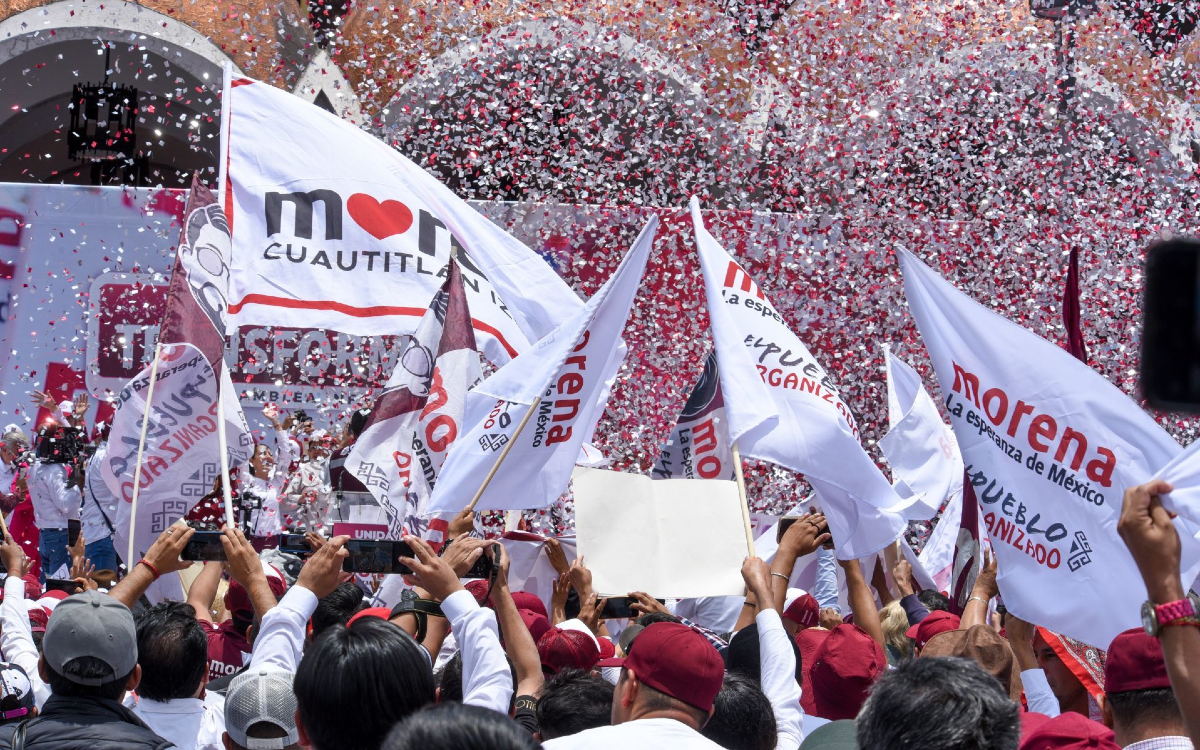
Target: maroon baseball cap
[
  {"x": 526, "y": 600},
  {"x": 479, "y": 590},
  {"x": 237, "y": 599},
  {"x": 537, "y": 624},
  {"x": 1135, "y": 662},
  {"x": 1070, "y": 731},
  {"x": 805, "y": 611},
  {"x": 39, "y": 618},
  {"x": 845, "y": 664},
  {"x": 676, "y": 660},
  {"x": 934, "y": 623},
  {"x": 562, "y": 649},
  {"x": 33, "y": 587}
]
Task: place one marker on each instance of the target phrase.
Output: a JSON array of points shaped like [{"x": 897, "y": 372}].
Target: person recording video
[{"x": 55, "y": 493}]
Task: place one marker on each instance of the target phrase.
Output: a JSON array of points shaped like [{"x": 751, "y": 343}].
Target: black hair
[
  {"x": 934, "y": 601},
  {"x": 358, "y": 421},
  {"x": 337, "y": 607},
  {"x": 453, "y": 726},
  {"x": 354, "y": 683},
  {"x": 938, "y": 703},
  {"x": 651, "y": 618},
  {"x": 572, "y": 701},
  {"x": 450, "y": 680},
  {"x": 1132, "y": 708},
  {"x": 173, "y": 651},
  {"x": 742, "y": 716},
  {"x": 742, "y": 655},
  {"x": 88, "y": 667}
]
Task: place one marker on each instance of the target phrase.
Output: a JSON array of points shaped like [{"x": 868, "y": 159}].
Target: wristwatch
[{"x": 1185, "y": 611}]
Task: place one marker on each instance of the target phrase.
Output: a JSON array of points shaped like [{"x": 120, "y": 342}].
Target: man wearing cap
[
  {"x": 89, "y": 659},
  {"x": 16, "y": 629},
  {"x": 260, "y": 711},
  {"x": 664, "y": 695},
  {"x": 1138, "y": 703}
]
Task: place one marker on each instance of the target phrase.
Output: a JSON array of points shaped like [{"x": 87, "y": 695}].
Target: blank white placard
[{"x": 672, "y": 538}]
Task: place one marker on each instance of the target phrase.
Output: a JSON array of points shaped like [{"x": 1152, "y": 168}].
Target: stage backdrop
[{"x": 81, "y": 282}]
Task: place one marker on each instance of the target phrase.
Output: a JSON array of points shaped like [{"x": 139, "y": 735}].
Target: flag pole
[
  {"x": 137, "y": 467},
  {"x": 503, "y": 454},
  {"x": 741, "y": 483},
  {"x": 222, "y": 445}
]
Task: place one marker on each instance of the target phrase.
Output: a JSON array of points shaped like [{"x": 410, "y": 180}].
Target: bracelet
[
  {"x": 781, "y": 575},
  {"x": 1190, "y": 620},
  {"x": 153, "y": 570},
  {"x": 748, "y": 604},
  {"x": 977, "y": 599}
]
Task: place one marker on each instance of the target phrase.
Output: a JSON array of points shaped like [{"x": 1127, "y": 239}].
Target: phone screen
[
  {"x": 74, "y": 526},
  {"x": 296, "y": 543},
  {"x": 784, "y": 524},
  {"x": 1170, "y": 367},
  {"x": 204, "y": 546},
  {"x": 617, "y": 607},
  {"x": 61, "y": 584},
  {"x": 376, "y": 556}
]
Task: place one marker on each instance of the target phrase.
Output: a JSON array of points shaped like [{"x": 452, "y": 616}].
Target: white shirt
[
  {"x": 98, "y": 500},
  {"x": 188, "y": 723},
  {"x": 268, "y": 519},
  {"x": 1038, "y": 694},
  {"x": 661, "y": 734},
  {"x": 16, "y": 637},
  {"x": 717, "y": 613},
  {"x": 778, "y": 679},
  {"x": 487, "y": 680},
  {"x": 53, "y": 501},
  {"x": 280, "y": 639}
]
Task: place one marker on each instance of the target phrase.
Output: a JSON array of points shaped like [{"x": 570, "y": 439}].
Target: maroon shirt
[{"x": 227, "y": 649}]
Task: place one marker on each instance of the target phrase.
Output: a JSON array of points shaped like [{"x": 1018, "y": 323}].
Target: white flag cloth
[
  {"x": 1183, "y": 473},
  {"x": 699, "y": 446},
  {"x": 783, "y": 407},
  {"x": 919, "y": 446},
  {"x": 937, "y": 556},
  {"x": 1049, "y": 446},
  {"x": 332, "y": 228},
  {"x": 419, "y": 415},
  {"x": 567, "y": 370}
]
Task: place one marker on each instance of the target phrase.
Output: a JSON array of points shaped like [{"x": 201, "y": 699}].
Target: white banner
[
  {"x": 419, "y": 415},
  {"x": 1049, "y": 446},
  {"x": 919, "y": 446},
  {"x": 351, "y": 236},
  {"x": 784, "y": 408},
  {"x": 563, "y": 370},
  {"x": 699, "y": 445}
]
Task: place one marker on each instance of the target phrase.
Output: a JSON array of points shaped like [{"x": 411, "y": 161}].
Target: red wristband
[{"x": 153, "y": 570}]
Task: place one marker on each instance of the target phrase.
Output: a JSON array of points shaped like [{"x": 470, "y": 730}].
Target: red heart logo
[{"x": 381, "y": 220}]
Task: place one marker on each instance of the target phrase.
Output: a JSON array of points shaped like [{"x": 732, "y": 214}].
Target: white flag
[
  {"x": 334, "y": 229},
  {"x": 567, "y": 370},
  {"x": 699, "y": 446},
  {"x": 783, "y": 407},
  {"x": 1049, "y": 446},
  {"x": 919, "y": 446},
  {"x": 181, "y": 457},
  {"x": 419, "y": 415}
]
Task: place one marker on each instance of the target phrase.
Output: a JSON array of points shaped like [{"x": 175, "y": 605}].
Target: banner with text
[{"x": 699, "y": 446}]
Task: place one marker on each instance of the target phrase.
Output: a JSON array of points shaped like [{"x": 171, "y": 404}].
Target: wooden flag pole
[
  {"x": 222, "y": 445},
  {"x": 137, "y": 467},
  {"x": 741, "y": 483},
  {"x": 503, "y": 454}
]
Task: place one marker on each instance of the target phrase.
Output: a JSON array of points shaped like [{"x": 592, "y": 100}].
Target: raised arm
[
  {"x": 778, "y": 679},
  {"x": 518, "y": 642},
  {"x": 204, "y": 591},
  {"x": 802, "y": 538},
  {"x": 1149, "y": 533},
  {"x": 245, "y": 568},
  {"x": 862, "y": 604},
  {"x": 976, "y": 609},
  {"x": 162, "y": 558}
]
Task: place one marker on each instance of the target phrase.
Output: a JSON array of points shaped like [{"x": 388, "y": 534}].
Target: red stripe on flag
[{"x": 377, "y": 311}]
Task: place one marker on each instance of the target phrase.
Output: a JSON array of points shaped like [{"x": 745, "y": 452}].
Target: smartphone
[
  {"x": 74, "y": 526},
  {"x": 61, "y": 584},
  {"x": 617, "y": 607},
  {"x": 784, "y": 524},
  {"x": 204, "y": 546},
  {"x": 1170, "y": 367},
  {"x": 297, "y": 544},
  {"x": 376, "y": 556}
]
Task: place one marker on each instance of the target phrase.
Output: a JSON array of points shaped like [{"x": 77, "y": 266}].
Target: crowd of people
[{"x": 262, "y": 654}]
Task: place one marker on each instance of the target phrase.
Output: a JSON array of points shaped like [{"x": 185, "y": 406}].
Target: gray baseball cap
[
  {"x": 91, "y": 624},
  {"x": 261, "y": 694}
]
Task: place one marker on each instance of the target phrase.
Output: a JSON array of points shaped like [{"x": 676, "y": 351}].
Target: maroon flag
[
  {"x": 1070, "y": 305},
  {"x": 967, "y": 558}
]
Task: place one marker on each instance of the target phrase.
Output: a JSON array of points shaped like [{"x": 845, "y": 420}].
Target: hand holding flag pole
[{"x": 503, "y": 454}]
